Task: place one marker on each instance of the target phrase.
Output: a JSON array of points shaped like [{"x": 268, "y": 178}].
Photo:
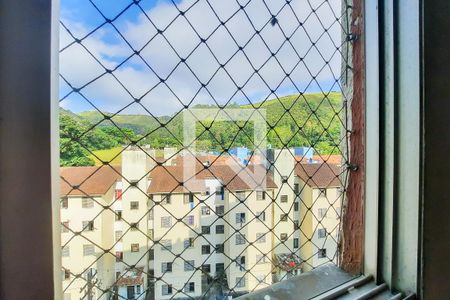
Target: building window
[
  {"x": 166, "y": 267},
  {"x": 65, "y": 226},
  {"x": 134, "y": 226},
  {"x": 166, "y": 289},
  {"x": 322, "y": 233},
  {"x": 119, "y": 256},
  {"x": 240, "y": 282},
  {"x": 206, "y": 249},
  {"x": 220, "y": 210},
  {"x": 134, "y": 205},
  {"x": 284, "y": 198},
  {"x": 66, "y": 274},
  {"x": 88, "y": 225},
  {"x": 189, "y": 220},
  {"x": 166, "y": 222},
  {"x": 118, "y": 215},
  {"x": 240, "y": 218},
  {"x": 138, "y": 289},
  {"x": 296, "y": 206},
  {"x": 151, "y": 254},
  {"x": 261, "y": 259},
  {"x": 296, "y": 243},
  {"x": 189, "y": 265},
  {"x": 87, "y": 202},
  {"x": 88, "y": 250},
  {"x": 260, "y": 195},
  {"x": 296, "y": 227},
  {"x": 188, "y": 243},
  {"x": 64, "y": 202},
  {"x": 220, "y": 268},
  {"x": 322, "y": 253},
  {"x": 166, "y": 245},
  {"x": 322, "y": 213},
  {"x": 322, "y": 192},
  {"x": 260, "y": 237},
  {"x": 261, "y": 216},
  {"x": 118, "y": 235},
  {"x": 219, "y": 248},
  {"x": 165, "y": 199},
  {"x": 220, "y": 192},
  {"x": 118, "y": 194},
  {"x": 240, "y": 196},
  {"x": 65, "y": 251},
  {"x": 240, "y": 263},
  {"x": 283, "y": 237},
  {"x": 188, "y": 198},
  {"x": 296, "y": 189},
  {"x": 240, "y": 239},
  {"x": 206, "y": 230},
  {"x": 189, "y": 287},
  {"x": 205, "y": 211},
  {"x": 135, "y": 247},
  {"x": 220, "y": 229},
  {"x": 206, "y": 268},
  {"x": 283, "y": 217}
]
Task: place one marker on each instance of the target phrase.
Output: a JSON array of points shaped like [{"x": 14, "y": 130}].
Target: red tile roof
[
  {"x": 92, "y": 181},
  {"x": 321, "y": 175}
]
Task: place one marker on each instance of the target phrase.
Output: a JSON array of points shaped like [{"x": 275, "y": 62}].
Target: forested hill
[{"x": 311, "y": 119}]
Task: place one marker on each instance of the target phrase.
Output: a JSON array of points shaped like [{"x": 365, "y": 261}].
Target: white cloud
[{"x": 80, "y": 68}]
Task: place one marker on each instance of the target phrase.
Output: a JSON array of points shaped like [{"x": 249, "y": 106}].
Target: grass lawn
[{"x": 107, "y": 155}]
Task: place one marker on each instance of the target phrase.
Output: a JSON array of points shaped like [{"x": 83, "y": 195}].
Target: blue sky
[{"x": 161, "y": 54}]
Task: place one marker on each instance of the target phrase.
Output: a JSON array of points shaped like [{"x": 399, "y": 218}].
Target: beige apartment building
[{"x": 87, "y": 229}]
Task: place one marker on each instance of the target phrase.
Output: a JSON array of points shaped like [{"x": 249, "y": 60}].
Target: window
[
  {"x": 118, "y": 215},
  {"x": 322, "y": 253},
  {"x": 205, "y": 211},
  {"x": 283, "y": 237},
  {"x": 260, "y": 237},
  {"x": 261, "y": 259},
  {"x": 188, "y": 243},
  {"x": 88, "y": 250},
  {"x": 118, "y": 235},
  {"x": 134, "y": 226},
  {"x": 322, "y": 213},
  {"x": 240, "y": 263},
  {"x": 135, "y": 247},
  {"x": 119, "y": 256},
  {"x": 240, "y": 218},
  {"x": 151, "y": 254},
  {"x": 166, "y": 245},
  {"x": 87, "y": 202},
  {"x": 66, "y": 274},
  {"x": 283, "y": 217},
  {"x": 118, "y": 194},
  {"x": 296, "y": 189},
  {"x": 88, "y": 225},
  {"x": 134, "y": 205},
  {"x": 322, "y": 233},
  {"x": 240, "y": 282},
  {"x": 219, "y": 248},
  {"x": 296, "y": 206},
  {"x": 220, "y": 229},
  {"x": 166, "y": 289},
  {"x": 296, "y": 227},
  {"x": 220, "y": 192},
  {"x": 138, "y": 289},
  {"x": 189, "y": 265},
  {"x": 206, "y": 230},
  {"x": 65, "y": 226},
  {"x": 206, "y": 268},
  {"x": 260, "y": 195},
  {"x": 65, "y": 251},
  {"x": 206, "y": 249},
  {"x": 166, "y": 267},
  {"x": 220, "y": 267},
  {"x": 165, "y": 199},
  {"x": 284, "y": 198},
  {"x": 220, "y": 210},
  {"x": 322, "y": 192},
  {"x": 240, "y": 239},
  {"x": 189, "y": 220},
  {"x": 64, "y": 202},
  {"x": 261, "y": 216},
  {"x": 295, "y": 242},
  {"x": 166, "y": 222},
  {"x": 240, "y": 196},
  {"x": 189, "y": 287},
  {"x": 188, "y": 198}
]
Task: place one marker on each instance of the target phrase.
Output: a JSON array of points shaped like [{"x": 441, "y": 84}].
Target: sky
[{"x": 162, "y": 84}]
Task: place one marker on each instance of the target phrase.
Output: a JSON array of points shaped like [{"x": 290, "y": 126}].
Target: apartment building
[{"x": 87, "y": 229}]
